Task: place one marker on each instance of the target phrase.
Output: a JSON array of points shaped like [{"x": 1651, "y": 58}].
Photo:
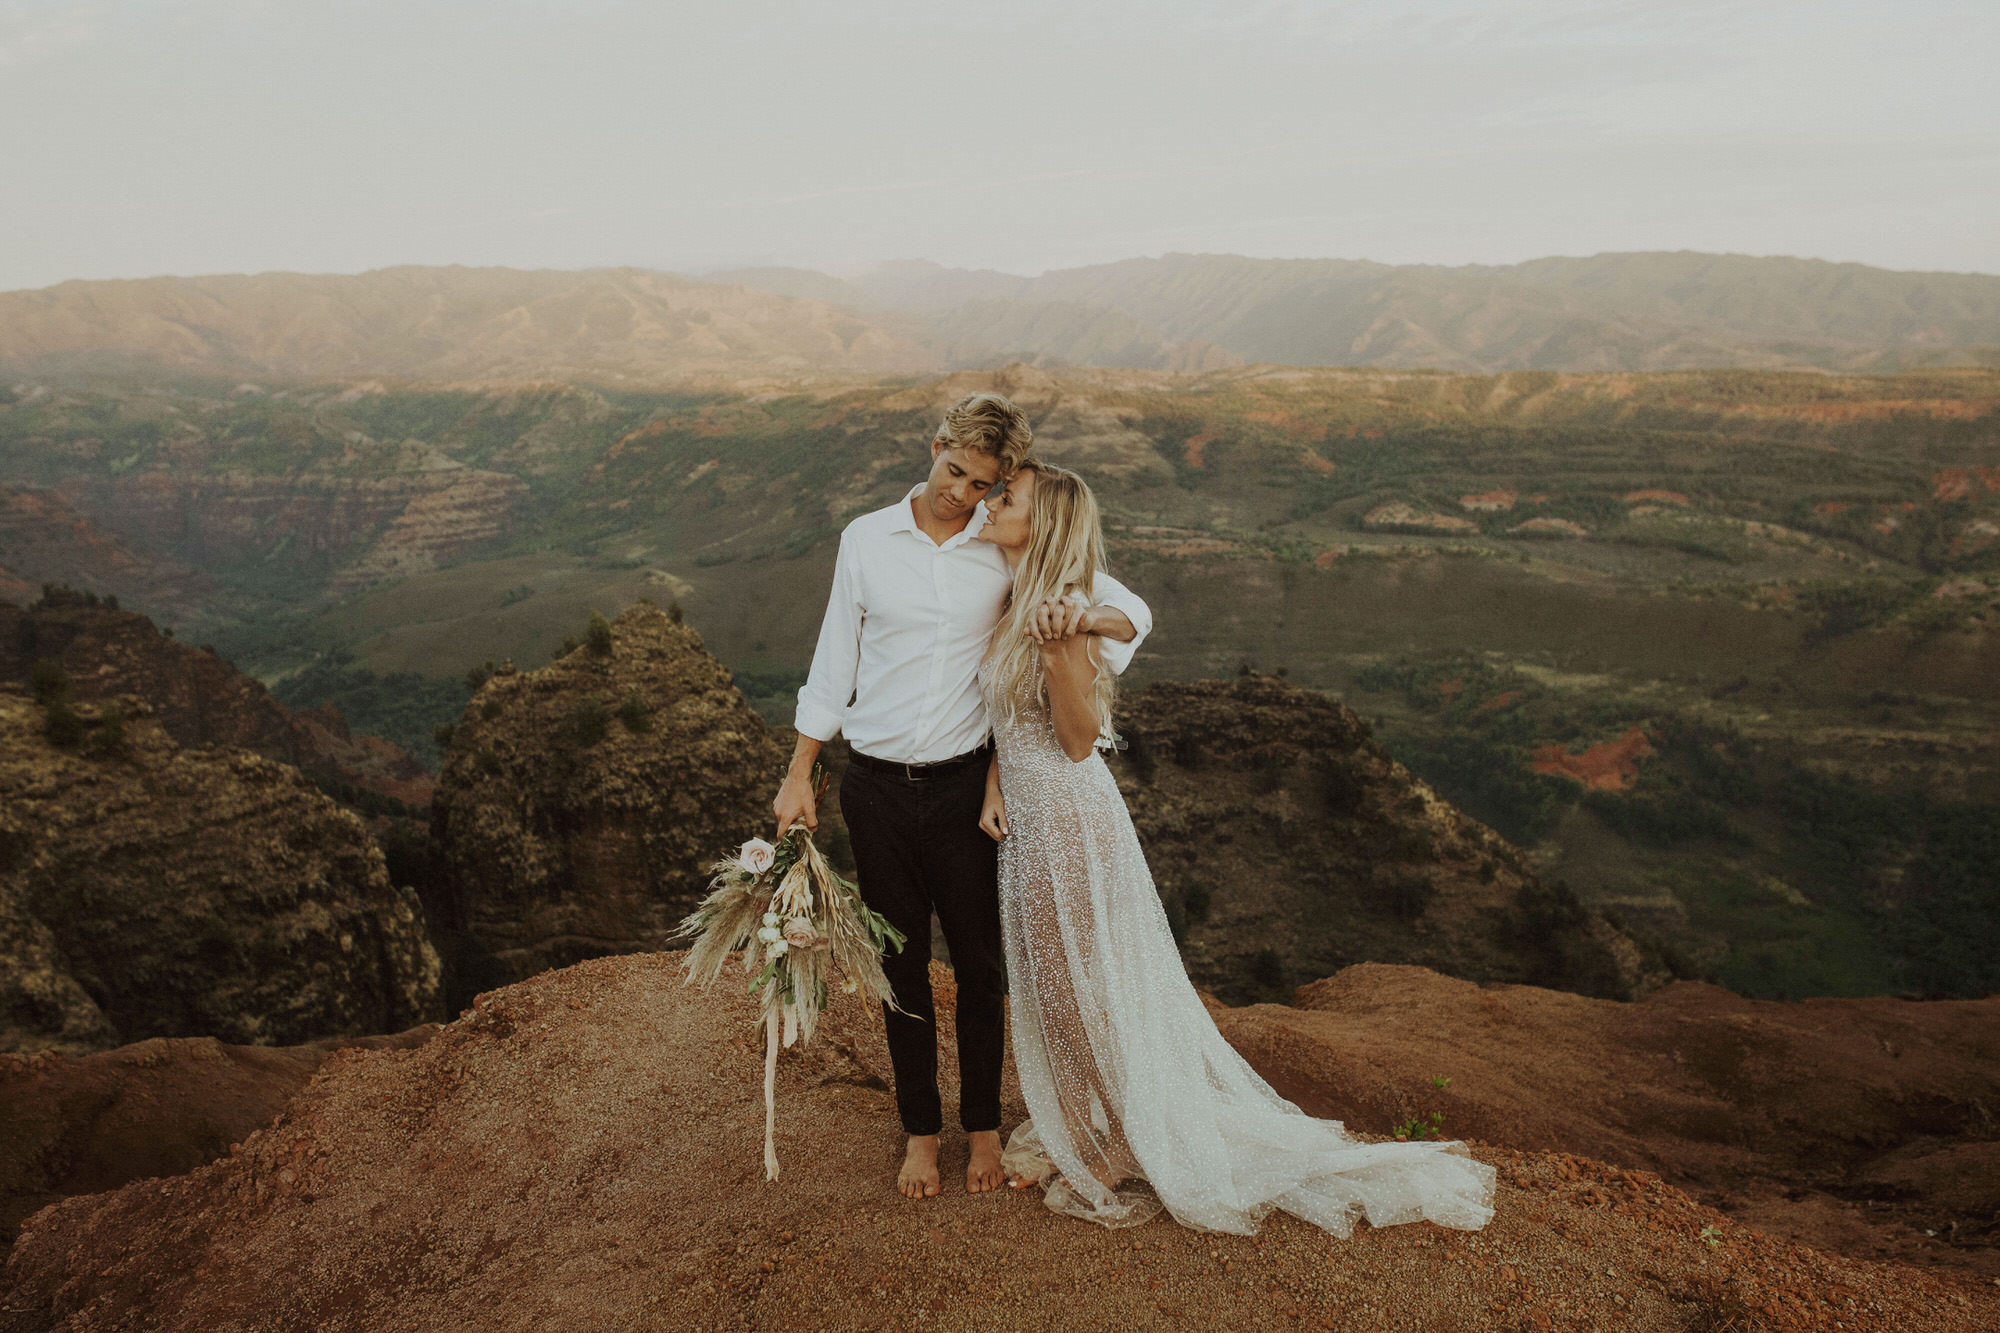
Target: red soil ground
[
  {"x": 1610, "y": 766},
  {"x": 581, "y": 1152}
]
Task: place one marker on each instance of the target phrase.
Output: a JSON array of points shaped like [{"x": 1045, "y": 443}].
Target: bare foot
[
  {"x": 983, "y": 1172},
  {"x": 919, "y": 1177}
]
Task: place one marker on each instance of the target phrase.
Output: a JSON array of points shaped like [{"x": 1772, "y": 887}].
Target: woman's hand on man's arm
[
  {"x": 993, "y": 811},
  {"x": 1057, "y": 619}
]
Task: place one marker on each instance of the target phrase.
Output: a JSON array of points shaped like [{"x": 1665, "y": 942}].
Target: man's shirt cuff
[{"x": 814, "y": 720}]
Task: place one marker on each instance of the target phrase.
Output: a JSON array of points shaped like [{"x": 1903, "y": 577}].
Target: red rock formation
[
  {"x": 582, "y": 1151},
  {"x": 45, "y": 540},
  {"x": 395, "y": 510},
  {"x": 197, "y": 697},
  {"x": 1873, "y": 1112}
]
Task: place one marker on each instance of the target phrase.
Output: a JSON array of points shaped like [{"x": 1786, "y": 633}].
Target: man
[{"x": 915, "y": 601}]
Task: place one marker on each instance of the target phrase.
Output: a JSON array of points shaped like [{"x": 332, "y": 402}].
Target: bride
[{"x": 1135, "y": 1100}]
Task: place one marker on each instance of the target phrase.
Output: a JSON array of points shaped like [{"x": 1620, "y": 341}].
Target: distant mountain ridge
[
  {"x": 1640, "y": 311},
  {"x": 444, "y": 323},
  {"x": 1612, "y": 312}
]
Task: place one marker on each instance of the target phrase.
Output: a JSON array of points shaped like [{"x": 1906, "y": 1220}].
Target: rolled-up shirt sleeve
[
  {"x": 837, "y": 659},
  {"x": 1108, "y": 591}
]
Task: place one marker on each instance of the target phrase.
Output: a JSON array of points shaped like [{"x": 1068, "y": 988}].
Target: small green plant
[
  {"x": 1429, "y": 1125},
  {"x": 598, "y": 635},
  {"x": 587, "y": 722},
  {"x": 634, "y": 713},
  {"x": 110, "y": 739},
  {"x": 1197, "y": 899},
  {"x": 674, "y": 612},
  {"x": 61, "y": 724},
  {"x": 1711, "y": 1236},
  {"x": 1440, "y": 1081},
  {"x": 479, "y": 675},
  {"x": 48, "y": 680}
]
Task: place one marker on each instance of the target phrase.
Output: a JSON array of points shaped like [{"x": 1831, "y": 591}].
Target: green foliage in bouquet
[{"x": 798, "y": 923}]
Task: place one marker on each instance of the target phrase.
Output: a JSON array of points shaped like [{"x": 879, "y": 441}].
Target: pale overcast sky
[{"x": 201, "y": 136}]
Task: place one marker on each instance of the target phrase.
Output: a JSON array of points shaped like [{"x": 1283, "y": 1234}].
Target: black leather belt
[{"x": 920, "y": 772}]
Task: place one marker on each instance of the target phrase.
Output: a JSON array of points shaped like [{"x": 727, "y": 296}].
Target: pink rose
[
  {"x": 800, "y": 934},
  {"x": 757, "y": 856}
]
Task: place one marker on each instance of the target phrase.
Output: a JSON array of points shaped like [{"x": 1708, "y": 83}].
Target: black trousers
[{"x": 918, "y": 846}]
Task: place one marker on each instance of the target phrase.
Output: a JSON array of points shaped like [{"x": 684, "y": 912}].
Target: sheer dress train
[{"x": 1135, "y": 1099}]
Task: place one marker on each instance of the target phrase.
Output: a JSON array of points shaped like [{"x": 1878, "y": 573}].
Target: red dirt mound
[
  {"x": 582, "y": 1152},
  {"x": 1960, "y": 483},
  {"x": 1863, "y": 1126},
  {"x": 1611, "y": 766},
  {"x": 80, "y": 1124}
]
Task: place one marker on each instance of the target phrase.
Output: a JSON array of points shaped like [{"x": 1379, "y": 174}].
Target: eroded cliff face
[
  {"x": 1288, "y": 845},
  {"x": 580, "y": 804},
  {"x": 43, "y": 539},
  {"x": 151, "y": 890},
  {"x": 196, "y": 697}
]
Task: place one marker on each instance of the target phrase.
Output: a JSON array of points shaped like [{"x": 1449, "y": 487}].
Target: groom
[{"x": 915, "y": 601}]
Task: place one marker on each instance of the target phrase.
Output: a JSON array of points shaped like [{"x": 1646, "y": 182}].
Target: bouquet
[{"x": 797, "y": 922}]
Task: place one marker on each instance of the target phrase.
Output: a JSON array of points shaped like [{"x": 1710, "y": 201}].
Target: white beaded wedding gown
[{"x": 1135, "y": 1100}]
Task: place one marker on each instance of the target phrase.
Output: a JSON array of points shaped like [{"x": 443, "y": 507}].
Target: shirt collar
[{"x": 906, "y": 521}]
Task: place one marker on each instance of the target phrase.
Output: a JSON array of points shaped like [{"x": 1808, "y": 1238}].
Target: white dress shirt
[{"x": 907, "y": 625}]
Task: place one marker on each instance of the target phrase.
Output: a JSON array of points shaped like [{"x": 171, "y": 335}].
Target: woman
[{"x": 1135, "y": 1100}]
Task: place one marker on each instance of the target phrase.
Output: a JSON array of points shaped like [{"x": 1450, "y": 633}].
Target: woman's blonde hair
[{"x": 1064, "y": 554}]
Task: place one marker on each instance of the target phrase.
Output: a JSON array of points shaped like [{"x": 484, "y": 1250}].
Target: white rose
[
  {"x": 770, "y": 918},
  {"x": 769, "y": 935},
  {"x": 757, "y": 856},
  {"x": 800, "y": 934},
  {"x": 778, "y": 948}
]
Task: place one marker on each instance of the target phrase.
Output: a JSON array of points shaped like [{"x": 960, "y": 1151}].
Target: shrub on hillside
[
  {"x": 48, "y": 680},
  {"x": 587, "y": 722}
]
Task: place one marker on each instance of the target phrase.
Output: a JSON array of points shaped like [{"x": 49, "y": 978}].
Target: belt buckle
[{"x": 909, "y": 773}]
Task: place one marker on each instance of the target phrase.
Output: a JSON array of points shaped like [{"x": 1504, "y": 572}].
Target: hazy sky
[{"x": 200, "y": 136}]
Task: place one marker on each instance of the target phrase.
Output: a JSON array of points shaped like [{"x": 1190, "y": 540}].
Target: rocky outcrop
[
  {"x": 197, "y": 697},
  {"x": 1288, "y": 845},
  {"x": 147, "y": 890},
  {"x": 583, "y": 1151},
  {"x": 84, "y": 1124},
  {"x": 1859, "y": 1125},
  {"x": 579, "y": 805}
]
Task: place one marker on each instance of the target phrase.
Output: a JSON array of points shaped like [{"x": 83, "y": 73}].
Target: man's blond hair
[{"x": 990, "y": 424}]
